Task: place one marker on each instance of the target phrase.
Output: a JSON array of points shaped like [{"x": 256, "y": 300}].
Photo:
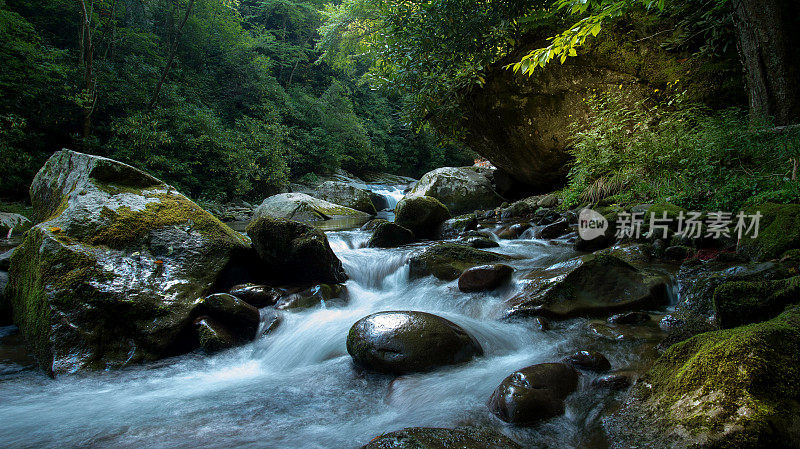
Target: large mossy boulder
[
  {"x": 597, "y": 284},
  {"x": 727, "y": 389},
  {"x": 110, "y": 273},
  {"x": 406, "y": 342},
  {"x": 390, "y": 235},
  {"x": 347, "y": 195},
  {"x": 436, "y": 438},
  {"x": 421, "y": 214},
  {"x": 447, "y": 261},
  {"x": 306, "y": 208},
  {"x": 779, "y": 231},
  {"x": 294, "y": 251},
  {"x": 460, "y": 189},
  {"x": 743, "y": 302},
  {"x": 534, "y": 393}
]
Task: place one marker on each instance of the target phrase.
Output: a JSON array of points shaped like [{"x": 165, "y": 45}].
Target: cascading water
[{"x": 297, "y": 388}]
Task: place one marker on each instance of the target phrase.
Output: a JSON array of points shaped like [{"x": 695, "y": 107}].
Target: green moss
[
  {"x": 743, "y": 302},
  {"x": 779, "y": 231},
  {"x": 740, "y": 386},
  {"x": 421, "y": 214},
  {"x": 126, "y": 226}
]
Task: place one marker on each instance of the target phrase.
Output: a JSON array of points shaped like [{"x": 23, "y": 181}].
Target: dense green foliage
[
  {"x": 243, "y": 108},
  {"x": 680, "y": 152}
]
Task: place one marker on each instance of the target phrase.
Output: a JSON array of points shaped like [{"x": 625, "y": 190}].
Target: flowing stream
[{"x": 297, "y": 388}]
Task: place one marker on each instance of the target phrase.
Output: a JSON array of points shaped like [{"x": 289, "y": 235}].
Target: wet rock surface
[
  {"x": 422, "y": 215},
  {"x": 403, "y": 342},
  {"x": 534, "y": 393},
  {"x": 433, "y": 438},
  {"x": 256, "y": 295},
  {"x": 390, "y": 235},
  {"x": 315, "y": 296},
  {"x": 589, "y": 361},
  {"x": 484, "y": 277},
  {"x": 447, "y": 261}
]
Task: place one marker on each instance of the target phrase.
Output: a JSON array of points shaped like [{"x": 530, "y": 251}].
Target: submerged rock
[
  {"x": 484, "y": 277},
  {"x": 110, "y": 274},
  {"x": 317, "y": 295},
  {"x": 256, "y": 295},
  {"x": 461, "y": 190},
  {"x": 303, "y": 207},
  {"x": 447, "y": 261},
  {"x": 433, "y": 438},
  {"x": 534, "y": 393},
  {"x": 347, "y": 195},
  {"x": 390, "y": 235},
  {"x": 403, "y": 342},
  {"x": 421, "y": 214},
  {"x": 592, "y": 285},
  {"x": 724, "y": 389},
  {"x": 588, "y": 360},
  {"x": 294, "y": 251},
  {"x": 455, "y": 227}
]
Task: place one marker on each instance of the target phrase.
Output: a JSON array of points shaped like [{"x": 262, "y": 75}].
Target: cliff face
[{"x": 524, "y": 124}]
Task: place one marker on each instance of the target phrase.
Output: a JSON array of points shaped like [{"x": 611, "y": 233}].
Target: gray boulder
[
  {"x": 303, "y": 207},
  {"x": 461, "y": 189},
  {"x": 347, "y": 195},
  {"x": 110, "y": 274}
]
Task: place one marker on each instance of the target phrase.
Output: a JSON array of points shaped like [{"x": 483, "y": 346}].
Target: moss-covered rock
[
  {"x": 109, "y": 275},
  {"x": 461, "y": 190},
  {"x": 779, "y": 231},
  {"x": 306, "y": 208},
  {"x": 390, "y": 235},
  {"x": 727, "y": 389},
  {"x": 743, "y": 302},
  {"x": 597, "y": 284},
  {"x": 433, "y": 438},
  {"x": 6, "y": 317},
  {"x": 421, "y": 214},
  {"x": 294, "y": 251},
  {"x": 447, "y": 261},
  {"x": 213, "y": 336},
  {"x": 347, "y": 195},
  {"x": 455, "y": 227}
]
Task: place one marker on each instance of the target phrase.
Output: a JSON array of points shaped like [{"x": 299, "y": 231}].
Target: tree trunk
[
  {"x": 769, "y": 45},
  {"x": 173, "y": 49}
]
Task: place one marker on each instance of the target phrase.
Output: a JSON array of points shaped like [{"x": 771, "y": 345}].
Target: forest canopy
[{"x": 223, "y": 98}]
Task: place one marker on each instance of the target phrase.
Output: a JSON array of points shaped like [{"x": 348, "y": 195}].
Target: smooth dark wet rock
[
  {"x": 631, "y": 318},
  {"x": 621, "y": 332},
  {"x": 479, "y": 242},
  {"x": 732, "y": 388},
  {"x": 484, "y": 277},
  {"x": 678, "y": 253},
  {"x": 315, "y": 296},
  {"x": 447, "y": 261},
  {"x": 379, "y": 201},
  {"x": 109, "y": 275},
  {"x": 305, "y": 208},
  {"x": 421, "y": 214},
  {"x": 458, "y": 226},
  {"x": 553, "y": 230},
  {"x": 588, "y": 360},
  {"x": 404, "y": 342},
  {"x": 345, "y": 194},
  {"x": 372, "y": 224},
  {"x": 213, "y": 336},
  {"x": 590, "y": 286},
  {"x": 615, "y": 381},
  {"x": 514, "y": 231},
  {"x": 540, "y": 323},
  {"x": 256, "y": 295},
  {"x": 239, "y": 317},
  {"x": 460, "y": 189},
  {"x": 390, "y": 235},
  {"x": 13, "y": 224},
  {"x": 435, "y": 438},
  {"x": 294, "y": 251},
  {"x": 534, "y": 393}
]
